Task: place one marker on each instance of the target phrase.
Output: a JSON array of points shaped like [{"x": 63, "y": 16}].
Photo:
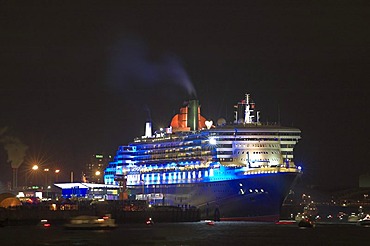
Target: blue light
[{"x": 299, "y": 168}]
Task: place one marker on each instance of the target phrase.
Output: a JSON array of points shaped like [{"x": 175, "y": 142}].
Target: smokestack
[
  {"x": 16, "y": 151},
  {"x": 193, "y": 114},
  {"x": 148, "y": 124}
]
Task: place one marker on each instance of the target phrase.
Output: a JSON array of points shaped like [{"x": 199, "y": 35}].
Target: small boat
[
  {"x": 44, "y": 223},
  {"x": 150, "y": 221},
  {"x": 364, "y": 221},
  {"x": 353, "y": 218},
  {"x": 210, "y": 222},
  {"x": 86, "y": 222}
]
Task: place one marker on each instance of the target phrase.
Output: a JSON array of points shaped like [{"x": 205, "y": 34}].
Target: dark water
[{"x": 197, "y": 233}]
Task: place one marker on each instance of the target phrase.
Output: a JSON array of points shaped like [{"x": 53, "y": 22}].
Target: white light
[
  {"x": 212, "y": 141},
  {"x": 20, "y": 194}
]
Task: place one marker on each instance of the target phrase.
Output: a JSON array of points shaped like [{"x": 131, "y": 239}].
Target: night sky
[{"x": 80, "y": 79}]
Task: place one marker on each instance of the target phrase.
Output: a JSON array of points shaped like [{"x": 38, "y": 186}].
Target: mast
[{"x": 247, "y": 114}]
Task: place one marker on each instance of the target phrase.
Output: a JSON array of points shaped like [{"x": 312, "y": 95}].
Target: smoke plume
[
  {"x": 132, "y": 62},
  {"x": 15, "y": 149}
]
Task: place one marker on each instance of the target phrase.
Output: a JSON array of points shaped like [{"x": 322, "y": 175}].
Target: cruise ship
[{"x": 241, "y": 170}]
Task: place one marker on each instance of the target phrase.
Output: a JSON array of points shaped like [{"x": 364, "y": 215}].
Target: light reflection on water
[{"x": 197, "y": 233}]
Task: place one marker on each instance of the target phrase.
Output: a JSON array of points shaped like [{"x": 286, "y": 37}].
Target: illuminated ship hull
[
  {"x": 230, "y": 172},
  {"x": 254, "y": 197}
]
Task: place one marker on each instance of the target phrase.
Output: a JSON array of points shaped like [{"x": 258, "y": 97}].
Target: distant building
[
  {"x": 94, "y": 169},
  {"x": 89, "y": 191}
]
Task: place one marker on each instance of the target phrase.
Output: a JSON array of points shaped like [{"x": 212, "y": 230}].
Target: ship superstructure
[{"x": 237, "y": 171}]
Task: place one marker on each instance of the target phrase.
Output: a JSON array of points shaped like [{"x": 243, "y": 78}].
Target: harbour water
[{"x": 190, "y": 233}]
